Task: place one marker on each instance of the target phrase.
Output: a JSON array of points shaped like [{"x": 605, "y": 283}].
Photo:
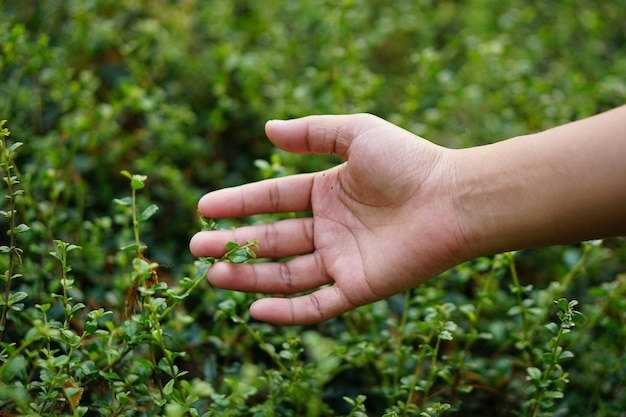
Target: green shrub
[{"x": 104, "y": 312}]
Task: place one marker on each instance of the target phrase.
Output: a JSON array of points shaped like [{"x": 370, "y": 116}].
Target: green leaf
[
  {"x": 14, "y": 147},
  {"x": 122, "y": 397},
  {"x": 553, "y": 394},
  {"x": 148, "y": 213},
  {"x": 466, "y": 389},
  {"x": 131, "y": 247},
  {"x": 533, "y": 373},
  {"x": 21, "y": 228},
  {"x": 231, "y": 246},
  {"x": 77, "y": 306},
  {"x": 91, "y": 326},
  {"x": 16, "y": 297},
  {"x": 138, "y": 182},
  {"x": 562, "y": 304},
  {"x": 578, "y": 318},
  {"x": 44, "y": 307},
  {"x": 553, "y": 328},
  {"x": 126, "y": 201},
  {"x": 17, "y": 307},
  {"x": 57, "y": 255},
  {"x": 61, "y": 360},
  {"x": 15, "y": 365},
  {"x": 239, "y": 256},
  {"x": 72, "y": 247}
]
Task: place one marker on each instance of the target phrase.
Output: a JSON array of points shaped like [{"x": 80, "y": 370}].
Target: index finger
[
  {"x": 277, "y": 195},
  {"x": 319, "y": 134}
]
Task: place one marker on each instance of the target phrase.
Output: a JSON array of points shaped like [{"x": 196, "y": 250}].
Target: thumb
[{"x": 331, "y": 134}]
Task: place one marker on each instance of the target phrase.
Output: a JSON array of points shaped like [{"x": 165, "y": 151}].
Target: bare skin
[{"x": 401, "y": 209}]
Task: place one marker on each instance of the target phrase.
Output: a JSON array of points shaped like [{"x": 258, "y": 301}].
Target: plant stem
[
  {"x": 182, "y": 296},
  {"x": 416, "y": 373},
  {"x": 518, "y": 293},
  {"x": 544, "y": 379},
  {"x": 399, "y": 338},
  {"x": 432, "y": 373},
  {"x": 136, "y": 223},
  {"x": 12, "y": 239}
]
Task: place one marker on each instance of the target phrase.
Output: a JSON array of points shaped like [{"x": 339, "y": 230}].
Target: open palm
[{"x": 381, "y": 222}]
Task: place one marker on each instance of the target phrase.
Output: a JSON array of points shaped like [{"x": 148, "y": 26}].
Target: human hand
[
  {"x": 401, "y": 210},
  {"x": 382, "y": 221}
]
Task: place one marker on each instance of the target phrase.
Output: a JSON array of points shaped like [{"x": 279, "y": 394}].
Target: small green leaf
[
  {"x": 60, "y": 360},
  {"x": 553, "y": 394},
  {"x": 21, "y": 228},
  {"x": 57, "y": 255},
  {"x": 14, "y": 147},
  {"x": 578, "y": 318},
  {"x": 122, "y": 397},
  {"x": 91, "y": 326},
  {"x": 72, "y": 247},
  {"x": 77, "y": 306},
  {"x": 17, "y": 307},
  {"x": 138, "y": 182},
  {"x": 238, "y": 256},
  {"x": 148, "y": 213},
  {"x": 553, "y": 328},
  {"x": 131, "y": 247},
  {"x": 231, "y": 246},
  {"x": 533, "y": 373},
  {"x": 126, "y": 201},
  {"x": 562, "y": 304},
  {"x": 16, "y": 297},
  {"x": 44, "y": 307},
  {"x": 251, "y": 253}
]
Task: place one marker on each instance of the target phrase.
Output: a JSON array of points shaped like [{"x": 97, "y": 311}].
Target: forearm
[{"x": 564, "y": 185}]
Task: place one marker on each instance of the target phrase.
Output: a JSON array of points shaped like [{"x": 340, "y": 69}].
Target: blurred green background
[{"x": 180, "y": 91}]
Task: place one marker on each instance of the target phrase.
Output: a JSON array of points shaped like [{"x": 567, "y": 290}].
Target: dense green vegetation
[{"x": 120, "y": 114}]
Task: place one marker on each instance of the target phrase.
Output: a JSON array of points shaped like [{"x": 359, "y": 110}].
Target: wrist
[
  {"x": 500, "y": 203},
  {"x": 559, "y": 186}
]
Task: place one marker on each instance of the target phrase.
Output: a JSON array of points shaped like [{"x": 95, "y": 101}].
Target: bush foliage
[{"x": 122, "y": 113}]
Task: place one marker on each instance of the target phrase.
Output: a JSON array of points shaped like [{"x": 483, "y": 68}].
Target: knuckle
[
  {"x": 271, "y": 238},
  {"x": 284, "y": 273},
  {"x": 317, "y": 306},
  {"x": 274, "y": 197}
]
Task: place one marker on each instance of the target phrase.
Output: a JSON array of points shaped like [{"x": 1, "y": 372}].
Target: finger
[
  {"x": 278, "y": 195},
  {"x": 276, "y": 240},
  {"x": 296, "y": 275},
  {"x": 316, "y": 307},
  {"x": 318, "y": 134}
]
